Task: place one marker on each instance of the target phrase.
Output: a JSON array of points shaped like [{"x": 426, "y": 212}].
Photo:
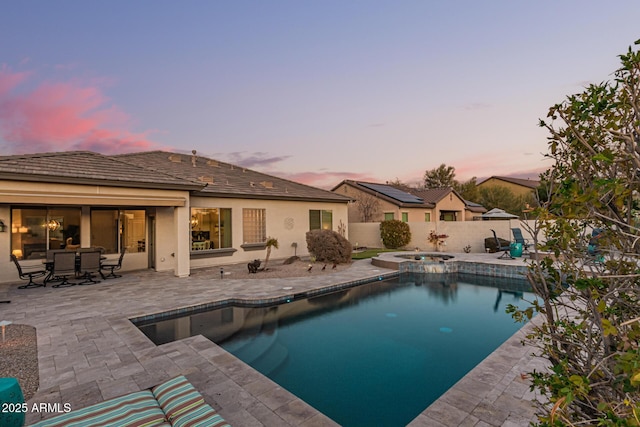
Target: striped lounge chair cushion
[
  {"x": 138, "y": 409},
  {"x": 177, "y": 396},
  {"x": 202, "y": 415}
]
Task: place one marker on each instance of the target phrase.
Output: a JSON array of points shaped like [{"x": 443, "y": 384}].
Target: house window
[
  {"x": 405, "y": 216},
  {"x": 35, "y": 230},
  {"x": 210, "y": 228},
  {"x": 116, "y": 229},
  {"x": 427, "y": 217},
  {"x": 388, "y": 216},
  {"x": 254, "y": 225},
  {"x": 320, "y": 219},
  {"x": 448, "y": 216}
]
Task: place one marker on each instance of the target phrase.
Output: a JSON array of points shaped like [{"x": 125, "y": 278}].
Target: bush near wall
[
  {"x": 395, "y": 234},
  {"x": 328, "y": 246}
]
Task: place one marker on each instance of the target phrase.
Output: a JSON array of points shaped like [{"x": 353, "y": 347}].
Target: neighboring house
[
  {"x": 171, "y": 212},
  {"x": 473, "y": 211},
  {"x": 518, "y": 186},
  {"x": 389, "y": 202}
]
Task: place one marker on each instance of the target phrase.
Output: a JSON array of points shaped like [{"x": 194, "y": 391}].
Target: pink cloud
[
  {"x": 9, "y": 80},
  {"x": 59, "y": 116}
]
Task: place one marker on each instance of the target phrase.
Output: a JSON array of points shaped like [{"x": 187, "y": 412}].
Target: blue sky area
[{"x": 314, "y": 91}]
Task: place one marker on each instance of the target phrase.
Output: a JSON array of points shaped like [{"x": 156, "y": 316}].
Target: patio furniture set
[
  {"x": 61, "y": 265},
  {"x": 511, "y": 250}
]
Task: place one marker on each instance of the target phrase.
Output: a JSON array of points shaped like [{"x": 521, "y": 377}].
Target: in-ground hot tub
[{"x": 393, "y": 260}]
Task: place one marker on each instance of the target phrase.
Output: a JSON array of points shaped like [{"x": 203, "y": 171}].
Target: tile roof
[
  {"x": 389, "y": 193},
  {"x": 433, "y": 195},
  {"x": 85, "y": 167},
  {"x": 226, "y": 180},
  {"x": 475, "y": 207},
  {"x": 428, "y": 197}
]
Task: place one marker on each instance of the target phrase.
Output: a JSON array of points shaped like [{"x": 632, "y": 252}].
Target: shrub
[
  {"x": 328, "y": 246},
  {"x": 395, "y": 234}
]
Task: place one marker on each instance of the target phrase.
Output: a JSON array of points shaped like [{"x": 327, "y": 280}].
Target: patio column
[
  {"x": 183, "y": 241},
  {"x": 85, "y": 227}
]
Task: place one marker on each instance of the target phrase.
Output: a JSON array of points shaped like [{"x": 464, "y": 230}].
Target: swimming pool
[{"x": 375, "y": 354}]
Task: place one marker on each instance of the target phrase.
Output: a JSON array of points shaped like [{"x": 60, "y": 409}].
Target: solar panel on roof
[{"x": 394, "y": 193}]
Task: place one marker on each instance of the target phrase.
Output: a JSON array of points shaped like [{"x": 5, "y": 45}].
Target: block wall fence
[{"x": 461, "y": 234}]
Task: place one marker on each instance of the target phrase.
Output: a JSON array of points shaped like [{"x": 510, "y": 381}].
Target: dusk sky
[{"x": 313, "y": 91}]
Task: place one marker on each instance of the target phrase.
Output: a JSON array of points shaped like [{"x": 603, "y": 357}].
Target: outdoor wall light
[{"x": 3, "y": 227}]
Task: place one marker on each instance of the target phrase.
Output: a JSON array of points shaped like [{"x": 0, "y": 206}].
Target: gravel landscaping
[{"x": 19, "y": 357}]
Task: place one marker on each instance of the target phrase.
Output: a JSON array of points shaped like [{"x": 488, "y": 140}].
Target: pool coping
[{"x": 246, "y": 302}]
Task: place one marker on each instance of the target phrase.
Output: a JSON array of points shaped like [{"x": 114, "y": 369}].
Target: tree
[
  {"x": 442, "y": 176},
  {"x": 503, "y": 198},
  {"x": 272, "y": 242},
  {"x": 368, "y": 206},
  {"x": 590, "y": 307},
  {"x": 399, "y": 184},
  {"x": 468, "y": 190}
]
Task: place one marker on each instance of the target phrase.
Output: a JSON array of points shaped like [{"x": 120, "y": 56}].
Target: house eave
[
  {"x": 97, "y": 181},
  {"x": 222, "y": 195}
]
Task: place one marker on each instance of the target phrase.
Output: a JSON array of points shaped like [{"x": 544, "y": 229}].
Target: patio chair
[
  {"x": 501, "y": 247},
  {"x": 29, "y": 274},
  {"x": 64, "y": 265},
  {"x": 112, "y": 266},
  {"x": 519, "y": 238},
  {"x": 89, "y": 265}
]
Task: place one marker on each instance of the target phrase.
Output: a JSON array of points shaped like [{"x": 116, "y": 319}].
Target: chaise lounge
[
  {"x": 502, "y": 247},
  {"x": 173, "y": 403}
]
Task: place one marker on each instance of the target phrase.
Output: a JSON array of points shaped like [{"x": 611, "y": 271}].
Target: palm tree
[{"x": 272, "y": 242}]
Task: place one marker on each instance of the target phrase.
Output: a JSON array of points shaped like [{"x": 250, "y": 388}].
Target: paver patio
[{"x": 89, "y": 351}]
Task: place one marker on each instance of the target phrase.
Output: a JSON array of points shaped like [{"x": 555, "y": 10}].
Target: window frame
[
  {"x": 121, "y": 230},
  {"x": 224, "y": 225},
  {"x": 324, "y": 220},
  {"x": 254, "y": 226}
]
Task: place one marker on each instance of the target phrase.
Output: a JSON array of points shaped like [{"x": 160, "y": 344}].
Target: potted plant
[{"x": 437, "y": 240}]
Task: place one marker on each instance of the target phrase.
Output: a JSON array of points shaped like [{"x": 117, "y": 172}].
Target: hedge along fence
[{"x": 461, "y": 234}]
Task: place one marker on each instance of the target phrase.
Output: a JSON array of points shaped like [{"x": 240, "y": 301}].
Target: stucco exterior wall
[
  {"x": 451, "y": 202},
  {"x": 414, "y": 214},
  {"x": 287, "y": 221}
]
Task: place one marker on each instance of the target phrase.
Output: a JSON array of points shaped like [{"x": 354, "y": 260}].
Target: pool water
[{"x": 376, "y": 354}]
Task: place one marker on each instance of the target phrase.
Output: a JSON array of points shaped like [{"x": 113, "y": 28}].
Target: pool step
[
  {"x": 272, "y": 359},
  {"x": 255, "y": 347}
]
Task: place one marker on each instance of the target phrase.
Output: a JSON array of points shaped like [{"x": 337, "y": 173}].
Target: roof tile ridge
[{"x": 48, "y": 154}]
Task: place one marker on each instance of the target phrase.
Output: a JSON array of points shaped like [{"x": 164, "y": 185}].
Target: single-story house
[
  {"x": 170, "y": 211},
  {"x": 518, "y": 186},
  {"x": 383, "y": 202}
]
